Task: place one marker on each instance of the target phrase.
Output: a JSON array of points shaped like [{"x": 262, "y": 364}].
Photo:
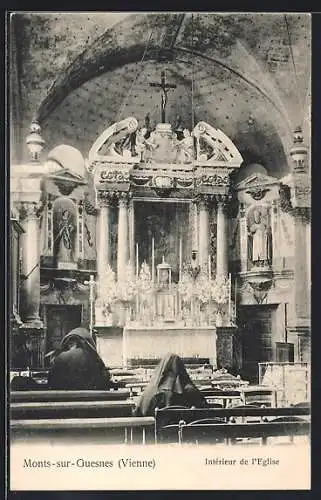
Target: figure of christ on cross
[{"x": 165, "y": 87}]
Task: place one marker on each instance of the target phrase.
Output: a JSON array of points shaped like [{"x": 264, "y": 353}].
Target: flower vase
[{"x": 219, "y": 318}]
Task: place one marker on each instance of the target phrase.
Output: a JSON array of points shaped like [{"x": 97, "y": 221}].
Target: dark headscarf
[
  {"x": 77, "y": 364},
  {"x": 170, "y": 385}
]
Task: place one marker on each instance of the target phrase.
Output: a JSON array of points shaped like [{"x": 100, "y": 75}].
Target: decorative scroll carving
[
  {"x": 217, "y": 147},
  {"x": 114, "y": 176},
  {"x": 257, "y": 193},
  {"x": 116, "y": 141},
  {"x": 30, "y": 210},
  {"x": 214, "y": 180}
]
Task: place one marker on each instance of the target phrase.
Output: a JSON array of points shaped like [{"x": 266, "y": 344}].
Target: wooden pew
[
  {"x": 165, "y": 417},
  {"x": 225, "y": 397},
  {"x": 259, "y": 394},
  {"x": 67, "y": 409},
  {"x": 228, "y": 433},
  {"x": 35, "y": 396},
  {"x": 87, "y": 431}
]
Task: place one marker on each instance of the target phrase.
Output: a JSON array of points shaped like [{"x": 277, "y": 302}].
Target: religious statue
[
  {"x": 66, "y": 229},
  {"x": 260, "y": 237},
  {"x": 185, "y": 148},
  {"x": 143, "y": 143},
  {"x": 165, "y": 87}
]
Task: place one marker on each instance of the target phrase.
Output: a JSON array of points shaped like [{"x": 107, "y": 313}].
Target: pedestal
[
  {"x": 35, "y": 342},
  {"x": 225, "y": 346},
  {"x": 300, "y": 337}
]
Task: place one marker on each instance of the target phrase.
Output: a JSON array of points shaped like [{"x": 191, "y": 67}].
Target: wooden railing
[
  {"x": 35, "y": 396},
  {"x": 201, "y": 433},
  {"x": 84, "y": 431},
  {"x": 70, "y": 409},
  {"x": 167, "y": 419}
]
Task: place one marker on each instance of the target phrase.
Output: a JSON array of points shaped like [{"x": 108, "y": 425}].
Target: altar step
[{"x": 152, "y": 363}]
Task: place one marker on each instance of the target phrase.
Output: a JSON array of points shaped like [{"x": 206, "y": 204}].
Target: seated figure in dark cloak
[
  {"x": 77, "y": 364},
  {"x": 170, "y": 385}
]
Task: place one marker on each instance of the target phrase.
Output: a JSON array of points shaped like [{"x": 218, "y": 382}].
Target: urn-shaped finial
[{"x": 34, "y": 141}]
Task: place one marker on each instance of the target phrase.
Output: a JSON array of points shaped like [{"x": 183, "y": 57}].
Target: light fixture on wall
[{"x": 34, "y": 141}]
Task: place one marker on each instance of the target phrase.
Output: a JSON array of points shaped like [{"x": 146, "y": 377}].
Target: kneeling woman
[
  {"x": 77, "y": 364},
  {"x": 170, "y": 385}
]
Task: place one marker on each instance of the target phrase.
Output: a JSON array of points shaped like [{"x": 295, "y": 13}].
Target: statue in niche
[
  {"x": 65, "y": 237},
  {"x": 260, "y": 239},
  {"x": 185, "y": 148}
]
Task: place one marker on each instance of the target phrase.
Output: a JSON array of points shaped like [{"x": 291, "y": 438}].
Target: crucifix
[
  {"x": 92, "y": 287},
  {"x": 165, "y": 88}
]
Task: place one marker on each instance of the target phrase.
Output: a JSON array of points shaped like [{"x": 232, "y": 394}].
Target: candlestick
[
  {"x": 230, "y": 296},
  {"x": 137, "y": 264},
  {"x": 180, "y": 259},
  {"x": 153, "y": 260},
  {"x": 235, "y": 291}
]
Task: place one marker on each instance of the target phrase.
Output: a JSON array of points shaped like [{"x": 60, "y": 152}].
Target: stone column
[
  {"x": 203, "y": 232},
  {"x": 302, "y": 287},
  {"x": 222, "y": 238},
  {"x": 30, "y": 266},
  {"x": 103, "y": 231},
  {"x": 30, "y": 290},
  {"x": 131, "y": 227},
  {"x": 243, "y": 240},
  {"x": 194, "y": 225},
  {"x": 276, "y": 260},
  {"x": 123, "y": 246},
  {"x": 299, "y": 329}
]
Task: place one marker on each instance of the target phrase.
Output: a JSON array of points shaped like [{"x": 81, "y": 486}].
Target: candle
[
  {"x": 137, "y": 264},
  {"x": 230, "y": 296},
  {"x": 180, "y": 259},
  {"x": 209, "y": 267},
  {"x": 153, "y": 260}
]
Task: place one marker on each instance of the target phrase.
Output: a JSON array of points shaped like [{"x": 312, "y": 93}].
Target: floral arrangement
[
  {"x": 144, "y": 284},
  {"x": 126, "y": 288},
  {"x": 220, "y": 290},
  {"x": 205, "y": 289},
  {"x": 108, "y": 290},
  {"x": 186, "y": 287}
]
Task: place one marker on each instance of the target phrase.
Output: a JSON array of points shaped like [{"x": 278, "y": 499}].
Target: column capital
[
  {"x": 30, "y": 210},
  {"x": 204, "y": 200},
  {"x": 104, "y": 198},
  {"x": 222, "y": 200},
  {"x": 123, "y": 198},
  {"x": 302, "y": 214}
]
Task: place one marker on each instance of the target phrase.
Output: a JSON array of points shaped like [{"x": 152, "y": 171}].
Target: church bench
[
  {"x": 228, "y": 433},
  {"x": 87, "y": 431},
  {"x": 259, "y": 394},
  {"x": 67, "y": 409},
  {"x": 51, "y": 395},
  {"x": 172, "y": 416}
]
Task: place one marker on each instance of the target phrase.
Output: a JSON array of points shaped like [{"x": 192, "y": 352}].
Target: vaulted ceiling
[{"x": 246, "y": 74}]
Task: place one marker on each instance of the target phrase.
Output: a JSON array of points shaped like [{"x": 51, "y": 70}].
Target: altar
[
  {"x": 119, "y": 347},
  {"x": 162, "y": 256}
]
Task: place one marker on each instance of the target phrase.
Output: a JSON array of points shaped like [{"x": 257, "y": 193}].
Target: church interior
[{"x": 160, "y": 189}]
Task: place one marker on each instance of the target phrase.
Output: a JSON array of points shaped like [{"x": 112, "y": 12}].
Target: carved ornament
[
  {"x": 30, "y": 210},
  {"x": 114, "y": 176},
  {"x": 214, "y": 180},
  {"x": 257, "y": 193}
]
